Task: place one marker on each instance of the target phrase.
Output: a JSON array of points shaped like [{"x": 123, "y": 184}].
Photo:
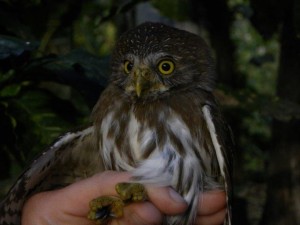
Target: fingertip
[
  {"x": 211, "y": 202},
  {"x": 214, "y": 219},
  {"x": 167, "y": 200},
  {"x": 175, "y": 196},
  {"x": 142, "y": 213}
]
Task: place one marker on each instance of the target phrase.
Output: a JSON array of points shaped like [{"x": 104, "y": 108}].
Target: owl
[{"x": 157, "y": 118}]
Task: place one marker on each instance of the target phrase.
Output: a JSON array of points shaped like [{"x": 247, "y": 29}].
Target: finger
[
  {"x": 211, "y": 202},
  {"x": 166, "y": 200},
  {"x": 75, "y": 198},
  {"x": 43, "y": 209},
  {"x": 143, "y": 213},
  {"x": 213, "y": 219}
]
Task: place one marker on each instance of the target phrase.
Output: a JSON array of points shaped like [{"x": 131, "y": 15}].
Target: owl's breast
[
  {"x": 130, "y": 136},
  {"x": 124, "y": 141}
]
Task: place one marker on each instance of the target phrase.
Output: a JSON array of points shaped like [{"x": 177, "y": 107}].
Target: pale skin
[{"x": 70, "y": 205}]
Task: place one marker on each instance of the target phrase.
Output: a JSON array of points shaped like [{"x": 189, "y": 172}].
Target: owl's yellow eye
[
  {"x": 166, "y": 67},
  {"x": 128, "y": 66}
]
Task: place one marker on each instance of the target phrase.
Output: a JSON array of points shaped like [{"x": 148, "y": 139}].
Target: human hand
[
  {"x": 212, "y": 208},
  {"x": 70, "y": 205}
]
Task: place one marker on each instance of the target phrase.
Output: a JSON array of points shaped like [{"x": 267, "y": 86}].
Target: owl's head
[{"x": 153, "y": 59}]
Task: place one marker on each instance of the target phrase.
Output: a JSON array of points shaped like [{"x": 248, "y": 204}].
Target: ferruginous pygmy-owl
[{"x": 157, "y": 118}]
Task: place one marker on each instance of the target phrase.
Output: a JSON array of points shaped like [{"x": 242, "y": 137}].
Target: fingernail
[{"x": 175, "y": 196}]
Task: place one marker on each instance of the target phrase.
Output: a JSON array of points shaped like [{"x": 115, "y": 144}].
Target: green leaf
[
  {"x": 10, "y": 46},
  {"x": 10, "y": 91},
  {"x": 176, "y": 9},
  {"x": 7, "y": 75},
  {"x": 79, "y": 69}
]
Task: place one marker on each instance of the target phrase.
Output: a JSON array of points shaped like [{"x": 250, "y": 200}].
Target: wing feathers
[
  {"x": 221, "y": 155},
  {"x": 47, "y": 171}
]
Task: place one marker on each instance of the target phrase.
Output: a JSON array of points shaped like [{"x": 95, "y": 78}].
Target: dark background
[{"x": 54, "y": 63}]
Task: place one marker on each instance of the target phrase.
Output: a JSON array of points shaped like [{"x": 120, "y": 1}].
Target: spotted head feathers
[{"x": 165, "y": 58}]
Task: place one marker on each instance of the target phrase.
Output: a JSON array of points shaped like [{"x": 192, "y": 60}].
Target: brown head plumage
[{"x": 153, "y": 58}]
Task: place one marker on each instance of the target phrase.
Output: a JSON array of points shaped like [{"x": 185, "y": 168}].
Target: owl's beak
[
  {"x": 138, "y": 88},
  {"x": 141, "y": 78}
]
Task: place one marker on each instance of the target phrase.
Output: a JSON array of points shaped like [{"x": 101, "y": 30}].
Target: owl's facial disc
[{"x": 145, "y": 80}]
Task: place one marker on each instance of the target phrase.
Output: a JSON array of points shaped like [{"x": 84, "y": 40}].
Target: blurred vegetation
[{"x": 54, "y": 63}]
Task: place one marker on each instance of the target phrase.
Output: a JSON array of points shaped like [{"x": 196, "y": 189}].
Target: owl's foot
[
  {"x": 131, "y": 192},
  {"x": 104, "y": 208}
]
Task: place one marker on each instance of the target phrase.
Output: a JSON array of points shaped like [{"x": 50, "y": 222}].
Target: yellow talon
[
  {"x": 131, "y": 191},
  {"x": 104, "y": 208}
]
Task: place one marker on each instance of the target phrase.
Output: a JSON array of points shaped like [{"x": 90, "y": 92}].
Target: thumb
[{"x": 167, "y": 200}]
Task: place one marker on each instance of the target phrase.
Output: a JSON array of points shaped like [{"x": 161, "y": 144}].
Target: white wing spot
[{"x": 212, "y": 131}]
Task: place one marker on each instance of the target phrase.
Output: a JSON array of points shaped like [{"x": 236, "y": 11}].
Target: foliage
[
  {"x": 177, "y": 9},
  {"x": 46, "y": 87}
]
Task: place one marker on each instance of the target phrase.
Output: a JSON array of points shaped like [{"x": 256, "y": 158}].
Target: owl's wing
[
  {"x": 64, "y": 162},
  {"x": 222, "y": 141}
]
